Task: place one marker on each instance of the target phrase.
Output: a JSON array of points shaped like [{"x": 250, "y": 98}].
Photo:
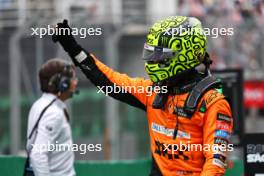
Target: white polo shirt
[{"x": 48, "y": 146}]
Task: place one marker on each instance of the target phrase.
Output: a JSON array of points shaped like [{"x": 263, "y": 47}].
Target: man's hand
[{"x": 65, "y": 38}]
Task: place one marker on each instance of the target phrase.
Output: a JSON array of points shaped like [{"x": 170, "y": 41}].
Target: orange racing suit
[{"x": 210, "y": 125}]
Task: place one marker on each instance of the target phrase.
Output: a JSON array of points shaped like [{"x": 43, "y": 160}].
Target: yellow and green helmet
[{"x": 172, "y": 46}]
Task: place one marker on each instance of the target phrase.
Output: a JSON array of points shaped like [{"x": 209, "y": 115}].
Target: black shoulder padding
[{"x": 198, "y": 91}]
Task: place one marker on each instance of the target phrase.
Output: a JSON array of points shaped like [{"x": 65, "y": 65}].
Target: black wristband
[{"x": 75, "y": 50}]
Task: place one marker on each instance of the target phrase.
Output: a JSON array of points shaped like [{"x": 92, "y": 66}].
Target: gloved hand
[{"x": 65, "y": 38}]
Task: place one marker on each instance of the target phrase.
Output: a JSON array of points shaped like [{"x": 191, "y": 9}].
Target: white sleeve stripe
[{"x": 81, "y": 56}]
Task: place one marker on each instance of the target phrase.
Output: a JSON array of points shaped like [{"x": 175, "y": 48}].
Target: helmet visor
[{"x": 157, "y": 54}]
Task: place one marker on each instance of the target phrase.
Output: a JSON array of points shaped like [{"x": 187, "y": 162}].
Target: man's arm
[
  {"x": 47, "y": 131},
  {"x": 102, "y": 76},
  {"x": 218, "y": 124}
]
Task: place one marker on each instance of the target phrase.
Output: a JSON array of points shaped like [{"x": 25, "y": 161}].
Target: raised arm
[{"x": 102, "y": 76}]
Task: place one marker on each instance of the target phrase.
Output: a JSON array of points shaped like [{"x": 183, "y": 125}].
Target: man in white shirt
[{"x": 49, "y": 132}]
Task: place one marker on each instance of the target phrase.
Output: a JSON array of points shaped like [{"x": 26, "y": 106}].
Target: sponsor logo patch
[
  {"x": 219, "y": 152},
  {"x": 222, "y": 134},
  {"x": 223, "y": 117},
  {"x": 180, "y": 112},
  {"x": 169, "y": 132},
  {"x": 211, "y": 97},
  {"x": 220, "y": 157},
  {"x": 220, "y": 125},
  {"x": 170, "y": 151},
  {"x": 219, "y": 163},
  {"x": 220, "y": 141}
]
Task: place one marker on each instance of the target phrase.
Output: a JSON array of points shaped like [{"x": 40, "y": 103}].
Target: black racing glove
[{"x": 65, "y": 38}]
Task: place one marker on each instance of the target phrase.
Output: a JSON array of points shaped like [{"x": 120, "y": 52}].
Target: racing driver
[{"x": 193, "y": 110}]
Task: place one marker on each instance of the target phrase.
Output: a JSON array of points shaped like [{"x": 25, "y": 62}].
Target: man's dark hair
[{"x": 50, "y": 69}]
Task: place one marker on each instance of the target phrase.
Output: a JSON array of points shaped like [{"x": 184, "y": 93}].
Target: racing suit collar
[
  {"x": 182, "y": 89},
  {"x": 184, "y": 83}
]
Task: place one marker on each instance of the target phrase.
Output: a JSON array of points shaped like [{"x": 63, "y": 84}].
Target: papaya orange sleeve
[{"x": 133, "y": 91}]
